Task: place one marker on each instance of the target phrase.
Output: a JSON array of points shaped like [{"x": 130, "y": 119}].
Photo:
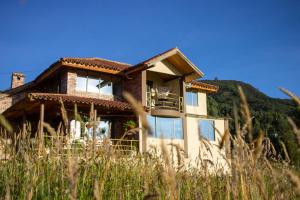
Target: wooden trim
[
  {"x": 200, "y": 88},
  {"x": 48, "y": 72},
  {"x": 59, "y": 64},
  {"x": 161, "y": 57},
  {"x": 137, "y": 69},
  {"x": 92, "y": 68},
  {"x": 190, "y": 63},
  {"x": 207, "y": 117},
  {"x": 165, "y": 113}
]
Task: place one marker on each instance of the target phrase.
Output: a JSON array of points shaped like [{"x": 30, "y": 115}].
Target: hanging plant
[{"x": 128, "y": 125}]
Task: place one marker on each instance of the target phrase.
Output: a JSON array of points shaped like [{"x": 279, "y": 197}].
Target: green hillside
[{"x": 269, "y": 114}]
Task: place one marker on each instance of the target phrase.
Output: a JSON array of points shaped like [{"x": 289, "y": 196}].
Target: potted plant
[{"x": 128, "y": 125}]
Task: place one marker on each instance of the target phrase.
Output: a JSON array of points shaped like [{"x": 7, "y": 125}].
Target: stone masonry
[{"x": 17, "y": 79}]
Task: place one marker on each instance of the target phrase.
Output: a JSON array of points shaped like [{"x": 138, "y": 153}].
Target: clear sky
[{"x": 253, "y": 41}]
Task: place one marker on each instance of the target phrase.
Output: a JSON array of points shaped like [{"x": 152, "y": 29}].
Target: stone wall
[
  {"x": 68, "y": 85},
  {"x": 17, "y": 79},
  {"x": 5, "y": 102},
  {"x": 71, "y": 85}
]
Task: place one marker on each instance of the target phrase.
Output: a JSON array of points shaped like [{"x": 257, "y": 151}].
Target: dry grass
[{"x": 105, "y": 173}]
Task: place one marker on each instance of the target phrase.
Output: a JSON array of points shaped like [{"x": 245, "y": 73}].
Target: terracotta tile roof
[
  {"x": 204, "y": 86},
  {"x": 117, "y": 105},
  {"x": 99, "y": 62},
  {"x": 143, "y": 65}
]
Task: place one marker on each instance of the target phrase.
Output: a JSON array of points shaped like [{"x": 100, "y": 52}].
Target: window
[
  {"x": 94, "y": 85},
  {"x": 102, "y": 130},
  {"x": 75, "y": 129},
  {"x": 167, "y": 128},
  {"x": 192, "y": 98},
  {"x": 81, "y": 83},
  {"x": 207, "y": 129},
  {"x": 105, "y": 87}
]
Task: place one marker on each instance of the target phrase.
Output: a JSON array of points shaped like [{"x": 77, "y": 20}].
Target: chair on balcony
[
  {"x": 162, "y": 92},
  {"x": 164, "y": 99}
]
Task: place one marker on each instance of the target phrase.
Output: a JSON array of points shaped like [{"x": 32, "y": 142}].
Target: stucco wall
[
  {"x": 197, "y": 149},
  {"x": 165, "y": 67},
  {"x": 173, "y": 85},
  {"x": 201, "y": 109}
]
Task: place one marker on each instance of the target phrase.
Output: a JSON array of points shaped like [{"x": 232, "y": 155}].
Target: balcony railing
[
  {"x": 67, "y": 143},
  {"x": 165, "y": 101}
]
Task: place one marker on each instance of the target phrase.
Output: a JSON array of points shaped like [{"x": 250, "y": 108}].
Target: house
[{"x": 167, "y": 86}]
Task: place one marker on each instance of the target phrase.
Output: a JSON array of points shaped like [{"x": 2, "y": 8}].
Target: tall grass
[{"x": 103, "y": 172}]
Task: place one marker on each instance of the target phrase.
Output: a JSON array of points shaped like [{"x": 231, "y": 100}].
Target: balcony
[{"x": 164, "y": 104}]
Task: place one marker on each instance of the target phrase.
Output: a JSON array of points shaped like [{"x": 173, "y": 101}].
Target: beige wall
[
  {"x": 197, "y": 148},
  {"x": 165, "y": 67},
  {"x": 201, "y": 109},
  {"x": 173, "y": 85}
]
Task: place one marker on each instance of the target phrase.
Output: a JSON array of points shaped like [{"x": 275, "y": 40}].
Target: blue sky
[{"x": 253, "y": 41}]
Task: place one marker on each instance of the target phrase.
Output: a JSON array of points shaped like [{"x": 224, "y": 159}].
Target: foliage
[
  {"x": 269, "y": 114},
  {"x": 28, "y": 170},
  {"x": 129, "y": 124}
]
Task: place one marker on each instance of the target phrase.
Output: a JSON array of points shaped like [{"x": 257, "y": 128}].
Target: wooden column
[
  {"x": 94, "y": 130},
  {"x": 41, "y": 127},
  {"x": 94, "y": 124},
  {"x": 184, "y": 118},
  {"x": 24, "y": 125}
]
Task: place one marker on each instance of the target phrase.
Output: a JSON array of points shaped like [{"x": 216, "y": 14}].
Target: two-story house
[{"x": 166, "y": 84}]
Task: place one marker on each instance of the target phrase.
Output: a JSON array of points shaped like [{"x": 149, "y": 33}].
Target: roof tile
[
  {"x": 118, "y": 105},
  {"x": 99, "y": 62}
]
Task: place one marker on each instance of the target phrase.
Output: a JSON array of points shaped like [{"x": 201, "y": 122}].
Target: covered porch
[{"x": 75, "y": 119}]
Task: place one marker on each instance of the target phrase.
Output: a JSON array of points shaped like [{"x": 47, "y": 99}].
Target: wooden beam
[{"x": 92, "y": 68}]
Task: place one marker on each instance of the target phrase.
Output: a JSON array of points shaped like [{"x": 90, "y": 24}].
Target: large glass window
[
  {"x": 81, "y": 83},
  {"x": 207, "y": 129},
  {"x": 191, "y": 98},
  {"x": 167, "y": 128},
  {"x": 94, "y": 85},
  {"x": 105, "y": 87}
]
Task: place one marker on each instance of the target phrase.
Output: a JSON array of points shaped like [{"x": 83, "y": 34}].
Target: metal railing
[
  {"x": 167, "y": 101},
  {"x": 68, "y": 143}
]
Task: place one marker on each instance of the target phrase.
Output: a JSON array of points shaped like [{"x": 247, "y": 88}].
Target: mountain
[{"x": 269, "y": 114}]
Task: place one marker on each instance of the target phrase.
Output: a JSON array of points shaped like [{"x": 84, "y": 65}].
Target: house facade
[{"x": 167, "y": 85}]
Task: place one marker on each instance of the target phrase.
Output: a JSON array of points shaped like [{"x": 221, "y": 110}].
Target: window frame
[
  {"x": 195, "y": 102},
  {"x": 87, "y": 78},
  {"x": 155, "y": 133},
  {"x": 77, "y": 88},
  {"x": 211, "y": 127}
]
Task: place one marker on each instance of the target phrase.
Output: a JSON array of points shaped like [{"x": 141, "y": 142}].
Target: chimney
[{"x": 17, "y": 79}]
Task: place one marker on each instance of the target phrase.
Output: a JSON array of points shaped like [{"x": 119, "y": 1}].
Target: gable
[
  {"x": 176, "y": 58},
  {"x": 165, "y": 67}
]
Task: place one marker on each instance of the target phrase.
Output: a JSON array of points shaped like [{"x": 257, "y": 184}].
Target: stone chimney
[{"x": 17, "y": 79}]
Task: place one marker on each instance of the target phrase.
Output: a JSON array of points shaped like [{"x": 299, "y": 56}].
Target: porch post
[
  {"x": 41, "y": 128},
  {"x": 142, "y": 137},
  {"x": 184, "y": 119},
  {"x": 23, "y": 124}
]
